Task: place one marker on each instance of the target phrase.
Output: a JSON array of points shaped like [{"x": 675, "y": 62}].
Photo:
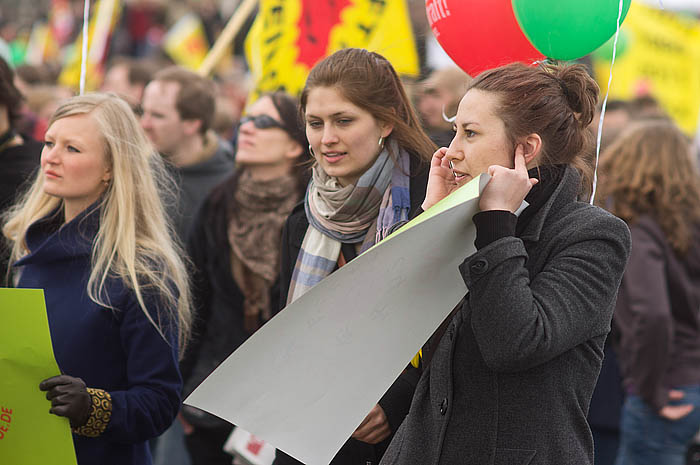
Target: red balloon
[{"x": 479, "y": 34}]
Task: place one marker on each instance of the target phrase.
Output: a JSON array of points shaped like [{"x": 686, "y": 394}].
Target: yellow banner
[
  {"x": 289, "y": 36},
  {"x": 186, "y": 42},
  {"x": 102, "y": 22},
  {"x": 661, "y": 59}
]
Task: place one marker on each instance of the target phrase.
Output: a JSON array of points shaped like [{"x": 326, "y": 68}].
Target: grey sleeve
[{"x": 520, "y": 324}]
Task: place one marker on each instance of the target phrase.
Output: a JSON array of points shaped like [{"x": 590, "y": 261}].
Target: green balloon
[
  {"x": 568, "y": 29},
  {"x": 605, "y": 51}
]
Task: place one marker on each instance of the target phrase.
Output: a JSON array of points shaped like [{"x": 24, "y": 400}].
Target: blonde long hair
[
  {"x": 650, "y": 170},
  {"x": 134, "y": 241}
]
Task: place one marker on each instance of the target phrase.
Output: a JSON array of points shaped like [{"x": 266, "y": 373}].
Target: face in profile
[
  {"x": 262, "y": 141},
  {"x": 343, "y": 136},
  {"x": 73, "y": 161},
  {"x": 480, "y": 137},
  {"x": 433, "y": 101},
  {"x": 161, "y": 120}
]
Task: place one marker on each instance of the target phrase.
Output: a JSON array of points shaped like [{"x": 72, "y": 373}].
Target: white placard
[{"x": 307, "y": 379}]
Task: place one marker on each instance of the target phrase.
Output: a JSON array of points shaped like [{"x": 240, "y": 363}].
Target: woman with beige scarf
[
  {"x": 369, "y": 177},
  {"x": 234, "y": 246}
]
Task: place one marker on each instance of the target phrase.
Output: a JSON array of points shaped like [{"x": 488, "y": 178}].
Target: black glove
[{"x": 69, "y": 398}]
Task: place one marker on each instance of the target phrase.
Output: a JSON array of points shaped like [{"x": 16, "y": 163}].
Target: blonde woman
[{"x": 92, "y": 233}]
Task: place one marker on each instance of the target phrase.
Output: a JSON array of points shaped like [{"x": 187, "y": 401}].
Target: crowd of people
[{"x": 167, "y": 220}]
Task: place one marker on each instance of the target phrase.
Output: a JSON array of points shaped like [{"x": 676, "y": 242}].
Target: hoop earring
[
  {"x": 311, "y": 151},
  {"x": 381, "y": 139}
]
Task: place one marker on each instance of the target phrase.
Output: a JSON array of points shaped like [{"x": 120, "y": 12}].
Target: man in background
[
  {"x": 441, "y": 92},
  {"x": 127, "y": 78},
  {"x": 178, "y": 110}
]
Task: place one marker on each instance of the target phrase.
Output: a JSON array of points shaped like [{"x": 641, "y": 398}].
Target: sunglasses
[{"x": 262, "y": 122}]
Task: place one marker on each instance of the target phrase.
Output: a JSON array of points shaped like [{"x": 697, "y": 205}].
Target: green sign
[{"x": 29, "y": 434}]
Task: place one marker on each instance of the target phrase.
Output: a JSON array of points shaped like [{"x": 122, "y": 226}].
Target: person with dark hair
[
  {"x": 438, "y": 96},
  {"x": 178, "y": 110},
  {"x": 650, "y": 179},
  {"x": 369, "y": 177},
  {"x": 20, "y": 153},
  {"x": 127, "y": 78},
  {"x": 234, "y": 247},
  {"x": 510, "y": 380}
]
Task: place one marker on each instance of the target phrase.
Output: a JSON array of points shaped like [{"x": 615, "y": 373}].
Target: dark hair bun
[{"x": 580, "y": 89}]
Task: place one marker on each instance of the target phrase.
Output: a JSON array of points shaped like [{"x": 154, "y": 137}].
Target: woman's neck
[
  {"x": 73, "y": 208},
  {"x": 70, "y": 211},
  {"x": 268, "y": 172}
]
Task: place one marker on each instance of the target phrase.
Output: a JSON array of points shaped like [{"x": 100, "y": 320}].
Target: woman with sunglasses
[
  {"x": 369, "y": 176},
  {"x": 234, "y": 246}
]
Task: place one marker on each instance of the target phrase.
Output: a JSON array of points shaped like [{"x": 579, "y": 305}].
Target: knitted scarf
[
  {"x": 254, "y": 234},
  {"x": 361, "y": 213}
]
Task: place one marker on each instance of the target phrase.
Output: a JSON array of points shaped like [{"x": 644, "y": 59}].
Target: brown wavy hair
[
  {"x": 367, "y": 80},
  {"x": 650, "y": 170}
]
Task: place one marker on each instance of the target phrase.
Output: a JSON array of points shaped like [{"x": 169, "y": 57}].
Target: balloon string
[
  {"x": 605, "y": 103},
  {"x": 83, "y": 63}
]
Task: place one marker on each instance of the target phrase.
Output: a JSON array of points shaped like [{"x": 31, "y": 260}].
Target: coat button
[
  {"x": 479, "y": 266},
  {"x": 443, "y": 406}
]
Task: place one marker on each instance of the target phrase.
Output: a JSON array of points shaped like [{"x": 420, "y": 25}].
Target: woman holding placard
[
  {"x": 369, "y": 176},
  {"x": 512, "y": 375},
  {"x": 651, "y": 181},
  {"x": 92, "y": 233}
]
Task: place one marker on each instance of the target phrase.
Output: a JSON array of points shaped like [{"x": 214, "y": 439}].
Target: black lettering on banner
[
  {"x": 366, "y": 29},
  {"x": 269, "y": 82},
  {"x": 308, "y": 19},
  {"x": 271, "y": 54},
  {"x": 271, "y": 75},
  {"x": 378, "y": 4},
  {"x": 273, "y": 38},
  {"x": 276, "y": 14}
]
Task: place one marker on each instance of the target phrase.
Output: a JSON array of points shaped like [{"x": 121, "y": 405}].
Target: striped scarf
[{"x": 363, "y": 213}]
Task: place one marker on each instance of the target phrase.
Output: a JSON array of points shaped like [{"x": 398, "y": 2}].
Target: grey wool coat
[{"x": 511, "y": 380}]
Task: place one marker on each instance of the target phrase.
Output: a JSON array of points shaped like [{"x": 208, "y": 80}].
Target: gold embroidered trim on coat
[{"x": 100, "y": 413}]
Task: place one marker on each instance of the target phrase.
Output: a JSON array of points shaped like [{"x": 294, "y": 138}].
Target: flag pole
[
  {"x": 232, "y": 27},
  {"x": 84, "y": 57}
]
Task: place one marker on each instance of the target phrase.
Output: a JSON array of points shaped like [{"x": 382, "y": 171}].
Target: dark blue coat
[{"x": 117, "y": 350}]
